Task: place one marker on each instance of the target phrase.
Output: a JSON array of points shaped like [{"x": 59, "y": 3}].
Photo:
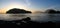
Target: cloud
[{"x": 28, "y": 2}]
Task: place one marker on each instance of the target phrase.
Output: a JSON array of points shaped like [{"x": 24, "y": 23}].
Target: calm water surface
[{"x": 40, "y": 17}]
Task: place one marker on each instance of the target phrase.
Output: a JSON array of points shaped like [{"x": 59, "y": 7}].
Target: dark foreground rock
[
  {"x": 17, "y": 11},
  {"x": 27, "y": 23}
]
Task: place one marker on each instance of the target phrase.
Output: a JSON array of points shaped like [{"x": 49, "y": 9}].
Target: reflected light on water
[{"x": 40, "y": 17}]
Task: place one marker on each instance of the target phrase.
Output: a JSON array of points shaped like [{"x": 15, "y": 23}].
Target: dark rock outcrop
[
  {"x": 27, "y": 23},
  {"x": 27, "y": 19},
  {"x": 17, "y": 10}
]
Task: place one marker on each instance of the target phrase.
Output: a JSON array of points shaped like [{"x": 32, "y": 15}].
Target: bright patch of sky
[{"x": 33, "y": 4}]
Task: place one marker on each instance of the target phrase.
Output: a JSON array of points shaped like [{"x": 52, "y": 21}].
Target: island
[
  {"x": 17, "y": 11},
  {"x": 52, "y": 11}
]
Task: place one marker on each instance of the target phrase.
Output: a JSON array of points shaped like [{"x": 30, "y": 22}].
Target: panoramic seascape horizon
[
  {"x": 29, "y": 13},
  {"x": 38, "y": 17}
]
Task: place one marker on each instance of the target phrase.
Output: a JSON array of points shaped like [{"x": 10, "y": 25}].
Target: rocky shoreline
[{"x": 27, "y": 23}]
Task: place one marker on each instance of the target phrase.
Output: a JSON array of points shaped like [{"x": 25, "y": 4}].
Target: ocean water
[{"x": 38, "y": 17}]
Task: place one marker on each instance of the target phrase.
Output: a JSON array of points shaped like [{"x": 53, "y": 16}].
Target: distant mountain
[{"x": 17, "y": 11}]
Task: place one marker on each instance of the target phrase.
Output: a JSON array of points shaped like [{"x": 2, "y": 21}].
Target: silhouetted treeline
[
  {"x": 52, "y": 11},
  {"x": 17, "y": 10}
]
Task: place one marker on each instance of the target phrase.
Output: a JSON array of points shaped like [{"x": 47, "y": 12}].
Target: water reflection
[
  {"x": 53, "y": 17},
  {"x": 12, "y": 16},
  {"x": 34, "y": 17},
  {"x": 17, "y": 15}
]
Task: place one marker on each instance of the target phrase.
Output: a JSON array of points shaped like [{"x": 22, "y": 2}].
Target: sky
[{"x": 39, "y": 5}]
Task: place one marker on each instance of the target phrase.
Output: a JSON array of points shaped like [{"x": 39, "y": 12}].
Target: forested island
[
  {"x": 17, "y": 11},
  {"x": 51, "y": 11}
]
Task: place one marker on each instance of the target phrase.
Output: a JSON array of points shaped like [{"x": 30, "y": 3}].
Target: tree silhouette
[
  {"x": 50, "y": 11},
  {"x": 17, "y": 10}
]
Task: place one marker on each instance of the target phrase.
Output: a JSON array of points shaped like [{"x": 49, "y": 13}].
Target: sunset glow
[
  {"x": 3, "y": 10},
  {"x": 31, "y": 5}
]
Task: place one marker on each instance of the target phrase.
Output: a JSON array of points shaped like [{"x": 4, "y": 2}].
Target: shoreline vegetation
[
  {"x": 27, "y": 23},
  {"x": 17, "y": 11},
  {"x": 52, "y": 11},
  {"x": 49, "y": 11},
  {"x": 22, "y": 11}
]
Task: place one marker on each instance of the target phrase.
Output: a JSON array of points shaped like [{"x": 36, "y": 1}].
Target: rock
[{"x": 27, "y": 19}]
